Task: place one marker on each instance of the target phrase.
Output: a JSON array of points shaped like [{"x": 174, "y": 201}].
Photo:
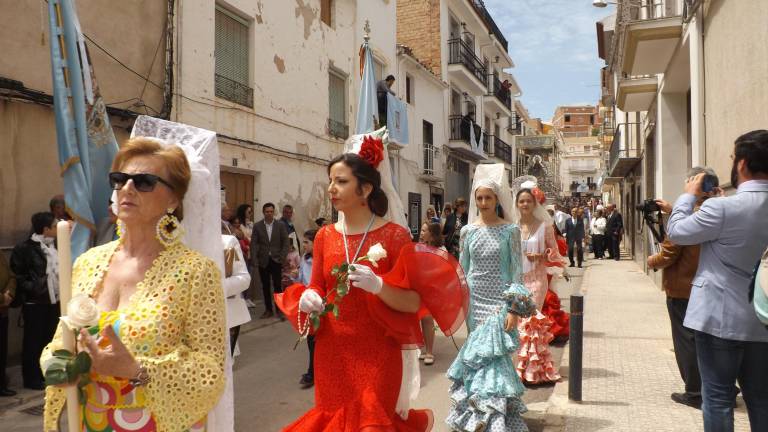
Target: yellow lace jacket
[{"x": 174, "y": 325}]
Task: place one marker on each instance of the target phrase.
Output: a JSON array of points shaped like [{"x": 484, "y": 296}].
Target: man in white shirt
[{"x": 560, "y": 218}]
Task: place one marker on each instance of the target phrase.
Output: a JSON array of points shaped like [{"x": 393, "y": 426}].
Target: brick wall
[{"x": 418, "y": 27}]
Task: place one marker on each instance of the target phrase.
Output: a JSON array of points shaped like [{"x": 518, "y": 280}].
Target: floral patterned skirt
[{"x": 114, "y": 405}]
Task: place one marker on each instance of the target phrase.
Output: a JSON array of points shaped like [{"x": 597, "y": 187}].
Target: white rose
[
  {"x": 81, "y": 312},
  {"x": 375, "y": 253}
]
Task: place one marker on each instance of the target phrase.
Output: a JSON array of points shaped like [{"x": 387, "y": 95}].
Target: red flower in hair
[
  {"x": 539, "y": 195},
  {"x": 372, "y": 150}
]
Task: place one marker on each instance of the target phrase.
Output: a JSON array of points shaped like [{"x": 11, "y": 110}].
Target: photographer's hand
[
  {"x": 664, "y": 205},
  {"x": 693, "y": 185}
]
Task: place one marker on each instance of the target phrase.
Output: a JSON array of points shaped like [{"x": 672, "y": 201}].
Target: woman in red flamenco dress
[
  {"x": 358, "y": 361},
  {"x": 560, "y": 319}
]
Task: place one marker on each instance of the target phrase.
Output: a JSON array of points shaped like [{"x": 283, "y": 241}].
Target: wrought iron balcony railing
[
  {"x": 479, "y": 6},
  {"x": 656, "y": 9},
  {"x": 502, "y": 150},
  {"x": 338, "y": 129},
  {"x": 233, "y": 91},
  {"x": 625, "y": 144},
  {"x": 495, "y": 88},
  {"x": 459, "y": 52}
]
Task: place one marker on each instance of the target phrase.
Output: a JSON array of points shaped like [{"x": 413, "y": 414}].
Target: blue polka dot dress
[{"x": 486, "y": 391}]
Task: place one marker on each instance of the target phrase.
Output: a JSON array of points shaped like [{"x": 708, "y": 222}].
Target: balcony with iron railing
[
  {"x": 338, "y": 129},
  {"x": 233, "y": 91},
  {"x": 650, "y": 35},
  {"x": 461, "y": 53},
  {"x": 625, "y": 150},
  {"x": 502, "y": 150},
  {"x": 460, "y": 138},
  {"x": 481, "y": 10},
  {"x": 655, "y": 9},
  {"x": 497, "y": 93},
  {"x": 590, "y": 187}
]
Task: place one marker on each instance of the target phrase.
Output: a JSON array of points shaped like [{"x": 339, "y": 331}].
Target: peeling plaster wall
[
  {"x": 29, "y": 168},
  {"x": 427, "y": 104},
  {"x": 291, "y": 52}
]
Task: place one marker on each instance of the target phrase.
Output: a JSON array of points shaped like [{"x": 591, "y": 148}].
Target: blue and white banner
[
  {"x": 397, "y": 120},
  {"x": 367, "y": 105},
  {"x": 84, "y": 136}
]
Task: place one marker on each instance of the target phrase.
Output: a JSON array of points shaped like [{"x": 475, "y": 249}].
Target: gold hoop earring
[{"x": 168, "y": 230}]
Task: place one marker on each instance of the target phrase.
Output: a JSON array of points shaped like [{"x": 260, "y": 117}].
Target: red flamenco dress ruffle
[
  {"x": 560, "y": 319},
  {"x": 358, "y": 362}
]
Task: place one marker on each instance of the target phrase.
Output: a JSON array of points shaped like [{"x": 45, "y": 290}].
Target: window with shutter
[
  {"x": 409, "y": 89},
  {"x": 337, "y": 105},
  {"x": 378, "y": 70},
  {"x": 326, "y": 8},
  {"x": 232, "y": 58},
  {"x": 429, "y": 148}
]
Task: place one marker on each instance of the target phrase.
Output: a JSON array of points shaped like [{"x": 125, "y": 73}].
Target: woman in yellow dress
[{"x": 158, "y": 360}]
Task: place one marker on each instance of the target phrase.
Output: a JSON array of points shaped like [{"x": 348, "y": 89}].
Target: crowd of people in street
[{"x": 508, "y": 242}]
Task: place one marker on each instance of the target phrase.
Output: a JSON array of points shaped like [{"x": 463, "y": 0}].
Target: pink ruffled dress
[{"x": 534, "y": 360}]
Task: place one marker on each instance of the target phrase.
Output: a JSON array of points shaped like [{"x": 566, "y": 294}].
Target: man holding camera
[
  {"x": 731, "y": 343},
  {"x": 679, "y": 264}
]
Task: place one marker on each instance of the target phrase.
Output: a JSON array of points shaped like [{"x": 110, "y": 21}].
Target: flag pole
[{"x": 64, "y": 241}]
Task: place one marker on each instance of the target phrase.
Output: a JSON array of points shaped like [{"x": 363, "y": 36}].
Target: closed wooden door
[{"x": 238, "y": 188}]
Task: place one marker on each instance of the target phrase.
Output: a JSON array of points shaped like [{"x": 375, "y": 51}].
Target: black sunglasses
[{"x": 142, "y": 182}]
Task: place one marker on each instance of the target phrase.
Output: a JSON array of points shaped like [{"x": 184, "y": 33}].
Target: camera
[
  {"x": 709, "y": 183},
  {"x": 648, "y": 206}
]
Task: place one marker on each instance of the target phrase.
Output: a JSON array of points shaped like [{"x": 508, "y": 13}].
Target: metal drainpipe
[{"x": 168, "y": 84}]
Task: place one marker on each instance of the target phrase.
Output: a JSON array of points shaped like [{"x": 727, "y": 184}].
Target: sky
[{"x": 554, "y": 48}]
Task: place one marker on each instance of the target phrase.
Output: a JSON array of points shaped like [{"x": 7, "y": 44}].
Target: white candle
[{"x": 64, "y": 241}]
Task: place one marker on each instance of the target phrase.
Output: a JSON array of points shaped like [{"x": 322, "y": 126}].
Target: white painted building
[
  {"x": 278, "y": 81},
  {"x": 421, "y": 162},
  {"x": 581, "y": 165},
  {"x": 460, "y": 42}
]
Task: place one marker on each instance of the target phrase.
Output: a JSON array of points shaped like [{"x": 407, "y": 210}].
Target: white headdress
[
  {"x": 396, "y": 211},
  {"x": 494, "y": 177},
  {"x": 540, "y": 211},
  {"x": 202, "y": 220}
]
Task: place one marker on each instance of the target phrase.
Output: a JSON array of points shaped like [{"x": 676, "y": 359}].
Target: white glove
[
  {"x": 364, "y": 278},
  {"x": 310, "y": 301}
]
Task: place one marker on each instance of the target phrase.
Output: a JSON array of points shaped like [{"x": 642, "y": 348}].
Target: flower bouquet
[{"x": 341, "y": 289}]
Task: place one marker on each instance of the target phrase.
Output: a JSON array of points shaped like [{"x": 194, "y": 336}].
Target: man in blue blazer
[
  {"x": 731, "y": 343},
  {"x": 574, "y": 235}
]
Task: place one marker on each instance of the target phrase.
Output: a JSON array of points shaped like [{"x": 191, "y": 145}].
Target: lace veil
[
  {"x": 540, "y": 211},
  {"x": 201, "y": 223},
  {"x": 494, "y": 177}
]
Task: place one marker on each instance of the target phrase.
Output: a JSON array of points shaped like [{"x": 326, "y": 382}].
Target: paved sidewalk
[{"x": 629, "y": 366}]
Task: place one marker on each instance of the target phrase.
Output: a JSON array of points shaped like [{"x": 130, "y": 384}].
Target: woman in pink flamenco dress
[{"x": 534, "y": 360}]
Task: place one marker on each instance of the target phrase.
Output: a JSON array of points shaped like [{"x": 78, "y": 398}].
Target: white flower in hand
[
  {"x": 375, "y": 253},
  {"x": 81, "y": 312}
]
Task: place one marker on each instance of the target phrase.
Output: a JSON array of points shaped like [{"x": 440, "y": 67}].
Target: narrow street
[{"x": 267, "y": 393}]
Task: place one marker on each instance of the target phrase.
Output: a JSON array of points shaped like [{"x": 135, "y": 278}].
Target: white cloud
[{"x": 554, "y": 47}]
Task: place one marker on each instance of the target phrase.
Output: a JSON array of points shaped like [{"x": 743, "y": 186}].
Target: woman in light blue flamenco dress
[{"x": 486, "y": 391}]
